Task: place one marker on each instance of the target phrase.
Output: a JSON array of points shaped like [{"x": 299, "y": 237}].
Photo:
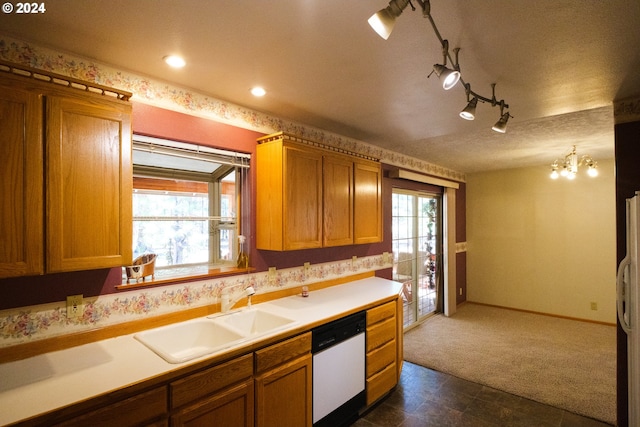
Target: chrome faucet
[
  {"x": 250, "y": 292},
  {"x": 229, "y": 299}
]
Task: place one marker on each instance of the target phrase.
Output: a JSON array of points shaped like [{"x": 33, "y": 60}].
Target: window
[{"x": 186, "y": 205}]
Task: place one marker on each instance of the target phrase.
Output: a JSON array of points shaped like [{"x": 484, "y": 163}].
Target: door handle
[{"x": 621, "y": 294}]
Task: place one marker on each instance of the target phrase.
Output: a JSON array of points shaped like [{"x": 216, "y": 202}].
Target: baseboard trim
[{"x": 541, "y": 313}]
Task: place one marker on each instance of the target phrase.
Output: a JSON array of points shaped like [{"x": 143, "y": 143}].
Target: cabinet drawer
[
  {"x": 381, "y": 333},
  {"x": 381, "y": 383},
  {"x": 379, "y": 358},
  {"x": 280, "y": 353},
  {"x": 210, "y": 380},
  {"x": 380, "y": 313},
  {"x": 132, "y": 411}
]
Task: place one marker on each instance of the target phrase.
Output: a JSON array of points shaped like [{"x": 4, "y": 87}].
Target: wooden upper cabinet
[
  {"x": 65, "y": 177},
  {"x": 338, "y": 201},
  {"x": 302, "y": 214},
  {"x": 367, "y": 202},
  {"x": 21, "y": 192},
  {"x": 312, "y": 197},
  {"x": 289, "y": 197},
  {"x": 89, "y": 182}
]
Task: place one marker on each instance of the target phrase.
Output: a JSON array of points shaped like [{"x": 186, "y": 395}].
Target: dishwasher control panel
[{"x": 333, "y": 333}]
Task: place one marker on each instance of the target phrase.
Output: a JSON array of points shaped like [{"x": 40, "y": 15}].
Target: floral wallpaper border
[
  {"x": 164, "y": 95},
  {"x": 48, "y": 320}
]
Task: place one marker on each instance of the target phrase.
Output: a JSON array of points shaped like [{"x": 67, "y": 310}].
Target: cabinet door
[
  {"x": 302, "y": 228},
  {"x": 338, "y": 201},
  {"x": 367, "y": 202},
  {"x": 229, "y": 408},
  {"x": 21, "y": 183},
  {"x": 89, "y": 184},
  {"x": 283, "y": 395},
  {"x": 143, "y": 409}
]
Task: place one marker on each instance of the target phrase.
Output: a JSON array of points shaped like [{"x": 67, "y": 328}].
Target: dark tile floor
[{"x": 429, "y": 398}]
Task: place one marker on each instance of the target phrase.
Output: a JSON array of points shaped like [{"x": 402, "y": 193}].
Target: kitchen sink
[
  {"x": 184, "y": 341},
  {"x": 254, "y": 321}
]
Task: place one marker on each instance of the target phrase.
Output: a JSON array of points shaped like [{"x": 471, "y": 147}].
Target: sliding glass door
[{"x": 417, "y": 251}]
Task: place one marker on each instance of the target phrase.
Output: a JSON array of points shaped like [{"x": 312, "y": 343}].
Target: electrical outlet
[
  {"x": 75, "y": 306},
  {"x": 307, "y": 268},
  {"x": 594, "y": 306},
  {"x": 385, "y": 257},
  {"x": 354, "y": 260},
  {"x": 272, "y": 274}
]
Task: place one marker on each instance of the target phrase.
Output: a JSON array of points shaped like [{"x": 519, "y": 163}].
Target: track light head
[
  {"x": 469, "y": 112},
  {"x": 448, "y": 76},
  {"x": 501, "y": 125},
  {"x": 384, "y": 20}
]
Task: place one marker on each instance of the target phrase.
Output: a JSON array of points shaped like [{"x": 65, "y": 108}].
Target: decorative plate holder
[{"x": 142, "y": 267}]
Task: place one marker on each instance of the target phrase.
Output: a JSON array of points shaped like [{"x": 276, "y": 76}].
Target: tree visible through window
[
  {"x": 186, "y": 209},
  {"x": 166, "y": 221}
]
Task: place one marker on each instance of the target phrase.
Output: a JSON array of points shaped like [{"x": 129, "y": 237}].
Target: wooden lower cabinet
[
  {"x": 382, "y": 350},
  {"x": 269, "y": 387},
  {"x": 283, "y": 395},
  {"x": 145, "y": 409},
  {"x": 218, "y": 396},
  {"x": 283, "y": 384},
  {"x": 231, "y": 407}
]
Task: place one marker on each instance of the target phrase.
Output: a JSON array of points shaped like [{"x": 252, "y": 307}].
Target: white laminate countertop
[{"x": 46, "y": 382}]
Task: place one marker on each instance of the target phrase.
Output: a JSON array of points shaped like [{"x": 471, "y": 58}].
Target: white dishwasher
[{"x": 339, "y": 370}]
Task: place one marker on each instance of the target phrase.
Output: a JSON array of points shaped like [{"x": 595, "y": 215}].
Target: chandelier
[
  {"x": 383, "y": 22},
  {"x": 568, "y": 167}
]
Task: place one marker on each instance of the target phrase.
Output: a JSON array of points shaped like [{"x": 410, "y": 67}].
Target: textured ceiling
[{"x": 559, "y": 64}]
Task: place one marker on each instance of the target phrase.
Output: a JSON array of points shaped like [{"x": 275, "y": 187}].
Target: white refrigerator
[{"x": 628, "y": 301}]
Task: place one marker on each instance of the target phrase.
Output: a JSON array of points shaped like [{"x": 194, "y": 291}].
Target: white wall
[{"x": 543, "y": 245}]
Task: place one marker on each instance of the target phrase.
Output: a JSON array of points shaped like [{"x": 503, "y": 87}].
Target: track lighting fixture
[
  {"x": 569, "y": 166},
  {"x": 501, "y": 124},
  {"x": 448, "y": 76},
  {"x": 383, "y": 21},
  {"x": 469, "y": 112}
]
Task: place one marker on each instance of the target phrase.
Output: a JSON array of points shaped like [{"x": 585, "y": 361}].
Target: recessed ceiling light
[
  {"x": 174, "y": 61},
  {"x": 258, "y": 91}
]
